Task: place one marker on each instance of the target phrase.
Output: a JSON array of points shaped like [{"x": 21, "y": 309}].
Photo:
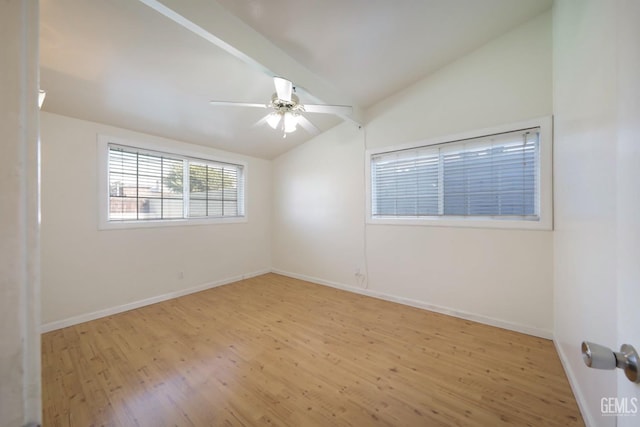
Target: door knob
[{"x": 600, "y": 357}]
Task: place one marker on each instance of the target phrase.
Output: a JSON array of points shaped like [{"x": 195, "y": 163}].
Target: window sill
[
  {"x": 466, "y": 222},
  {"x": 123, "y": 225}
]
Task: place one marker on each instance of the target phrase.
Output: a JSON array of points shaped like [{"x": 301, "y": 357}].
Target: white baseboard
[
  {"x": 59, "y": 324},
  {"x": 573, "y": 382},
  {"x": 537, "y": 332}
]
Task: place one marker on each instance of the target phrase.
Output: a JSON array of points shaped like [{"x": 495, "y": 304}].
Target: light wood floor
[{"x": 282, "y": 352}]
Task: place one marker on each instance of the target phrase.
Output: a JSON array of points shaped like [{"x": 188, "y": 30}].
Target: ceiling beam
[{"x": 211, "y": 21}]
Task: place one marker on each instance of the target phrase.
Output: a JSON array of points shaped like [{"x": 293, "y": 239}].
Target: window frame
[
  {"x": 545, "y": 220},
  {"x": 170, "y": 149}
]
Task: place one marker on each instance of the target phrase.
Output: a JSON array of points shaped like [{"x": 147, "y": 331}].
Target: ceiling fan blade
[
  {"x": 260, "y": 122},
  {"x": 328, "y": 109},
  {"x": 237, "y": 104},
  {"x": 307, "y": 125},
  {"x": 284, "y": 88}
]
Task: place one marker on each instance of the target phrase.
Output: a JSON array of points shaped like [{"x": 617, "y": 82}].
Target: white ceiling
[{"x": 123, "y": 63}]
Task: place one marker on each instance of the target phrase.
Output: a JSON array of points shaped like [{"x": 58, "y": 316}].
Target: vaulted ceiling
[{"x": 153, "y": 65}]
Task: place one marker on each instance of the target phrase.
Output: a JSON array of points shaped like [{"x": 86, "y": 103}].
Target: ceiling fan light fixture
[
  {"x": 274, "y": 119},
  {"x": 290, "y": 122}
]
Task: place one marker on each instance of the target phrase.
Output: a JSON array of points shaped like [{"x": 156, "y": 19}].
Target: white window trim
[
  {"x": 180, "y": 150},
  {"x": 545, "y": 222}
]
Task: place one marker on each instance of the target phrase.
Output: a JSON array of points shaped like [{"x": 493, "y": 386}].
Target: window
[
  {"x": 144, "y": 186},
  {"x": 154, "y": 186},
  {"x": 475, "y": 179},
  {"x": 213, "y": 190}
]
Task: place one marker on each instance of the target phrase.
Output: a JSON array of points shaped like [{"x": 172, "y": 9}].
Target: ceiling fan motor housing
[{"x": 282, "y": 106}]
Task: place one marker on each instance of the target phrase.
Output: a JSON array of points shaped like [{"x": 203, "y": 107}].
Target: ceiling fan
[{"x": 287, "y": 111}]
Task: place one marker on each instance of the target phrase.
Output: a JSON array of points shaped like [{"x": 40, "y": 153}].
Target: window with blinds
[
  {"x": 495, "y": 176},
  {"x": 147, "y": 185},
  {"x": 214, "y": 190}
]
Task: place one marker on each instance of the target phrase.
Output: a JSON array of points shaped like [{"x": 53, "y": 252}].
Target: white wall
[
  {"x": 318, "y": 202},
  {"x": 87, "y": 270},
  {"x": 596, "y": 93},
  {"x": 20, "y": 400},
  {"x": 498, "y": 276}
]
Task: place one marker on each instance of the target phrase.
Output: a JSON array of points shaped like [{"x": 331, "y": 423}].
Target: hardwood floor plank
[{"x": 276, "y": 351}]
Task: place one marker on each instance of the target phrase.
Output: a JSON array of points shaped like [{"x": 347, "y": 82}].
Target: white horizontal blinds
[
  {"x": 229, "y": 192},
  {"x": 495, "y": 175},
  {"x": 123, "y": 185},
  {"x": 240, "y": 178},
  {"x": 215, "y": 190},
  {"x": 144, "y": 186},
  {"x": 405, "y": 183},
  {"x": 172, "y": 189},
  {"x": 492, "y": 176},
  {"x": 197, "y": 190}
]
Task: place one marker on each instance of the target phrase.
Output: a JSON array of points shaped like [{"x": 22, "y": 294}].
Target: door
[
  {"x": 596, "y": 69},
  {"x": 628, "y": 189}
]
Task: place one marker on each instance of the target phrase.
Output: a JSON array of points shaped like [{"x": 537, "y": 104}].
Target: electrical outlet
[{"x": 181, "y": 275}]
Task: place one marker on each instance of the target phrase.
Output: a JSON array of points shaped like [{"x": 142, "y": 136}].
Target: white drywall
[
  {"x": 504, "y": 276},
  {"x": 86, "y": 270}
]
